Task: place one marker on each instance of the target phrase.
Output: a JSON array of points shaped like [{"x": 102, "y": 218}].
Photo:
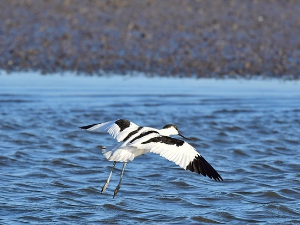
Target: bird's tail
[{"x": 113, "y": 153}]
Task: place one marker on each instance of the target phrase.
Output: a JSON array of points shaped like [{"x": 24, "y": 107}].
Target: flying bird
[{"x": 135, "y": 140}]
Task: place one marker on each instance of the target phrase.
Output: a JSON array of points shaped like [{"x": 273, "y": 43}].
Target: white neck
[{"x": 168, "y": 131}]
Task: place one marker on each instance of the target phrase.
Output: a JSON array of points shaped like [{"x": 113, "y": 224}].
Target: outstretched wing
[
  {"x": 181, "y": 153},
  {"x": 120, "y": 129}
]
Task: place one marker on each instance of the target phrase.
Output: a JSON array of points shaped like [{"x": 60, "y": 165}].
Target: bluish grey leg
[
  {"x": 107, "y": 182},
  {"x": 118, "y": 187}
]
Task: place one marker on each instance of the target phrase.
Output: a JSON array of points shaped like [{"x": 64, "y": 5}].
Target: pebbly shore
[{"x": 167, "y": 38}]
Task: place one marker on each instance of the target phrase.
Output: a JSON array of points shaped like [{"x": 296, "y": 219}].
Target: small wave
[
  {"x": 283, "y": 209},
  {"x": 232, "y": 111},
  {"x": 169, "y": 198},
  {"x": 63, "y": 162},
  {"x": 60, "y": 184},
  {"x": 21, "y": 154},
  {"x": 112, "y": 206},
  {"x": 239, "y": 152},
  {"x": 292, "y": 141},
  {"x": 204, "y": 220},
  {"x": 37, "y": 175},
  {"x": 90, "y": 190},
  {"x": 7, "y": 161},
  {"x": 266, "y": 167},
  {"x": 234, "y": 128},
  {"x": 180, "y": 183},
  {"x": 70, "y": 194},
  {"x": 14, "y": 101}
]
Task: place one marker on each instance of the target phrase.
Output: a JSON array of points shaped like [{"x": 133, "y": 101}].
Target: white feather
[
  {"x": 113, "y": 129},
  {"x": 180, "y": 155}
]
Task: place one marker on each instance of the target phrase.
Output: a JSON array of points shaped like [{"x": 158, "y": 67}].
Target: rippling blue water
[{"x": 52, "y": 172}]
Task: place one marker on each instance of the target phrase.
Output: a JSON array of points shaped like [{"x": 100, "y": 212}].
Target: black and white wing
[
  {"x": 120, "y": 129},
  {"x": 181, "y": 153}
]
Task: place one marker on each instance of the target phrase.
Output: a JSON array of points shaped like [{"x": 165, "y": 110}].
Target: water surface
[{"x": 52, "y": 172}]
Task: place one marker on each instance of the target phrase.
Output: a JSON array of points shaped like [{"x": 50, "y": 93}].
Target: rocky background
[{"x": 201, "y": 38}]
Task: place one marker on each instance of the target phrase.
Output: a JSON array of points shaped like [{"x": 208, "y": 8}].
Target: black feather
[
  {"x": 123, "y": 124},
  {"x": 200, "y": 165},
  {"x": 88, "y": 126}
]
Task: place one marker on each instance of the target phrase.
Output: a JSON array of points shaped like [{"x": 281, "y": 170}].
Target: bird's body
[{"x": 135, "y": 141}]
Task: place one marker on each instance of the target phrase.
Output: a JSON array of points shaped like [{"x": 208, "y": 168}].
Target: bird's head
[{"x": 171, "y": 129}]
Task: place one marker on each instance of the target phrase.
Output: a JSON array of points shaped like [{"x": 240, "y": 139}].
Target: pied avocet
[{"x": 136, "y": 141}]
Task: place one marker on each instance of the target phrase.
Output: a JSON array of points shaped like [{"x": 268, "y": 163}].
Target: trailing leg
[
  {"x": 119, "y": 185},
  {"x": 108, "y": 179}
]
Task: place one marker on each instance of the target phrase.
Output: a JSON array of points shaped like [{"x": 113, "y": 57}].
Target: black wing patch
[
  {"x": 200, "y": 165},
  {"x": 143, "y": 135},
  {"x": 165, "y": 140},
  {"x": 132, "y": 133},
  {"x": 123, "y": 124},
  {"x": 88, "y": 126}
]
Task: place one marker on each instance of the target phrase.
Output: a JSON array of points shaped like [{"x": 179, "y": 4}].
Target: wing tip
[
  {"x": 218, "y": 178},
  {"x": 201, "y": 166},
  {"x": 88, "y": 126}
]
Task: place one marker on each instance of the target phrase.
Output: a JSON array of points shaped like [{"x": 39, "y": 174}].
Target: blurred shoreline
[{"x": 166, "y": 38}]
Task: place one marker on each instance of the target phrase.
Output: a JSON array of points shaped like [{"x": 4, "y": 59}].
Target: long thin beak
[{"x": 184, "y": 136}]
